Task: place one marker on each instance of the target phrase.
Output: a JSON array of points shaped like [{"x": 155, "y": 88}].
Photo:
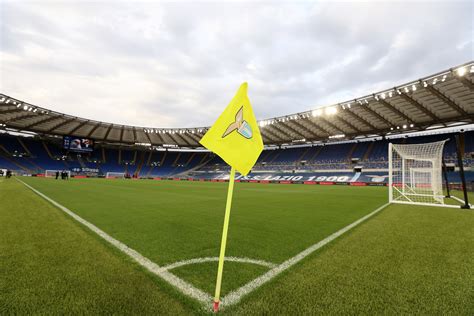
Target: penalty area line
[
  {"x": 235, "y": 296},
  {"x": 183, "y": 286}
]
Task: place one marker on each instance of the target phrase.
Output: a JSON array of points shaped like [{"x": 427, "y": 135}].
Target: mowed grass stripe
[{"x": 51, "y": 265}]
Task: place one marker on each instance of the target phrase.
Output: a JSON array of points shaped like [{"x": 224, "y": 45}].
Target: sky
[{"x": 179, "y": 64}]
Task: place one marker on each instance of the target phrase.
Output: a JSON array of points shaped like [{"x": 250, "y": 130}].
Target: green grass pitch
[{"x": 405, "y": 259}]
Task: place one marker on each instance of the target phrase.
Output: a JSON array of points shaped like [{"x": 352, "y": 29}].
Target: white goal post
[
  {"x": 415, "y": 174},
  {"x": 52, "y": 173},
  {"x": 115, "y": 175}
]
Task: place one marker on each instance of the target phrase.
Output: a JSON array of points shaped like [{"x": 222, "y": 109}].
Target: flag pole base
[{"x": 216, "y": 306}]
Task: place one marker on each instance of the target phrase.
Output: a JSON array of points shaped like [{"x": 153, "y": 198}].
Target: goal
[
  {"x": 115, "y": 175},
  {"x": 415, "y": 174},
  {"x": 52, "y": 173}
]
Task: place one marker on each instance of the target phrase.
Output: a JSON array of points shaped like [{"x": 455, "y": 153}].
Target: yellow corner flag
[{"x": 235, "y": 137}]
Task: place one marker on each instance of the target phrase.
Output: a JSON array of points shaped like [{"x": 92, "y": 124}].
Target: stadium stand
[
  {"x": 341, "y": 139},
  {"x": 30, "y": 155}
]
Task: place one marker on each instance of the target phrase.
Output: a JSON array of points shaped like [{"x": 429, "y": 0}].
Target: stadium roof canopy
[{"x": 436, "y": 101}]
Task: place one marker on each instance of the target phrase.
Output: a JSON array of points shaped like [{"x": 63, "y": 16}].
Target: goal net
[
  {"x": 415, "y": 173},
  {"x": 115, "y": 175},
  {"x": 52, "y": 173}
]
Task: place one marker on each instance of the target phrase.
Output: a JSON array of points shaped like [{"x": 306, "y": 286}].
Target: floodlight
[
  {"x": 461, "y": 71},
  {"x": 413, "y": 87},
  {"x": 331, "y": 110},
  {"x": 317, "y": 112},
  {"x": 404, "y": 126}
]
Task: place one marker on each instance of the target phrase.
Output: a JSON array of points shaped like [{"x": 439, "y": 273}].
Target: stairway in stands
[
  {"x": 351, "y": 151},
  {"x": 5, "y": 154},
  {"x": 316, "y": 153},
  {"x": 47, "y": 150},
  {"x": 298, "y": 161},
  {"x": 204, "y": 161},
  {"x": 29, "y": 159},
  {"x": 81, "y": 162},
  {"x": 369, "y": 151},
  {"x": 141, "y": 160}
]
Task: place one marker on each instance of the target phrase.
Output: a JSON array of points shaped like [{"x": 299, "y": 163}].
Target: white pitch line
[
  {"x": 235, "y": 296},
  {"x": 178, "y": 283},
  {"x": 215, "y": 259}
]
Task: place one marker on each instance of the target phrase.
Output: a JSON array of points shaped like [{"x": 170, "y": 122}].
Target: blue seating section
[
  {"x": 339, "y": 156},
  {"x": 38, "y": 155}
]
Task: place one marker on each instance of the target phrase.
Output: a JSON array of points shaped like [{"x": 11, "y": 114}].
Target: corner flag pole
[{"x": 224, "y": 239}]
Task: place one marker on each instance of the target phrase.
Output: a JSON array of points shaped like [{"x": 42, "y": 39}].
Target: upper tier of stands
[{"x": 33, "y": 155}]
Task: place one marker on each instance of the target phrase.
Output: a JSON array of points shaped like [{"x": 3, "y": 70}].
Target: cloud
[{"x": 179, "y": 64}]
